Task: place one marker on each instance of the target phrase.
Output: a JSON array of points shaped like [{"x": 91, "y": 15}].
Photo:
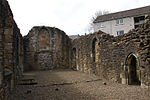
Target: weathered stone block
[{"x": 8, "y": 31}]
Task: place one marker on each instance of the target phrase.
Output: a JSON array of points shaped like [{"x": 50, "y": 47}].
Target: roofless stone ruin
[{"x": 124, "y": 59}]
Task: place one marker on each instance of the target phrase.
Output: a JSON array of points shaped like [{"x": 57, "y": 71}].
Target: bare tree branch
[{"x": 98, "y": 13}]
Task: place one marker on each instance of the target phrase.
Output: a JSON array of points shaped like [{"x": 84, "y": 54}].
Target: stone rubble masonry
[
  {"x": 113, "y": 52},
  {"x": 46, "y": 48},
  {"x": 11, "y": 51}
]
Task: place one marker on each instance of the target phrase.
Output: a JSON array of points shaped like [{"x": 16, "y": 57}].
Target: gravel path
[{"x": 73, "y": 85}]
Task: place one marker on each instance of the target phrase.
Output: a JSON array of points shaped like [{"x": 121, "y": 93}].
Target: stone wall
[
  {"x": 115, "y": 58},
  {"x": 124, "y": 59},
  {"x": 46, "y": 48},
  {"x": 11, "y": 50}
]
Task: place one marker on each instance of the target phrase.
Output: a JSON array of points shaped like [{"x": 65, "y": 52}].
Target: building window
[
  {"x": 101, "y": 24},
  {"x": 120, "y": 32},
  {"x": 138, "y": 21},
  {"x": 119, "y": 21}
]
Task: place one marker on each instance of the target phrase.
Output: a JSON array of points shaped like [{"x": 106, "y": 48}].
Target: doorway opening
[{"x": 133, "y": 70}]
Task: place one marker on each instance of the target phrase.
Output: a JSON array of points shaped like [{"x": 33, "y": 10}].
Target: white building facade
[{"x": 121, "y": 22}]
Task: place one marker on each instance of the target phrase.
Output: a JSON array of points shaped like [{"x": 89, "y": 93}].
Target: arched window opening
[
  {"x": 43, "y": 40},
  {"x": 95, "y": 50},
  {"x": 74, "y": 59}
]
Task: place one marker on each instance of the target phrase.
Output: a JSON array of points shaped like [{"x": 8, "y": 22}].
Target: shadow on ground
[
  {"x": 73, "y": 85},
  {"x": 55, "y": 85}
]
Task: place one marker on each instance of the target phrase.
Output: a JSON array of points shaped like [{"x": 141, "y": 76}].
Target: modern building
[{"x": 121, "y": 22}]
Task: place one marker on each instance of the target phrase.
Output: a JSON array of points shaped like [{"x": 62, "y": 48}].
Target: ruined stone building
[
  {"x": 124, "y": 59},
  {"x": 11, "y": 51},
  {"x": 46, "y": 48}
]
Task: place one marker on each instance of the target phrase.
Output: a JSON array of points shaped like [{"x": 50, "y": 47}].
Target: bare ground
[{"x": 73, "y": 85}]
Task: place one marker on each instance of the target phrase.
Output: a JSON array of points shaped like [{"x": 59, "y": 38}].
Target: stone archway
[
  {"x": 95, "y": 55},
  {"x": 43, "y": 40},
  {"x": 43, "y": 57},
  {"x": 132, "y": 70},
  {"x": 74, "y": 58},
  {"x": 95, "y": 50}
]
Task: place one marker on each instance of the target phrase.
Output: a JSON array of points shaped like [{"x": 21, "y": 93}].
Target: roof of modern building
[{"x": 123, "y": 14}]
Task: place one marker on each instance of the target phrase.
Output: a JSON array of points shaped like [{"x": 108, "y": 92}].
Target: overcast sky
[{"x": 71, "y": 16}]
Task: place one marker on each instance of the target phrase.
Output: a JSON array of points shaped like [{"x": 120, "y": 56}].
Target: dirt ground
[{"x": 73, "y": 85}]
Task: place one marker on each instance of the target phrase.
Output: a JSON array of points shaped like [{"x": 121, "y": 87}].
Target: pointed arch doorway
[
  {"x": 133, "y": 74},
  {"x": 95, "y": 47}
]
